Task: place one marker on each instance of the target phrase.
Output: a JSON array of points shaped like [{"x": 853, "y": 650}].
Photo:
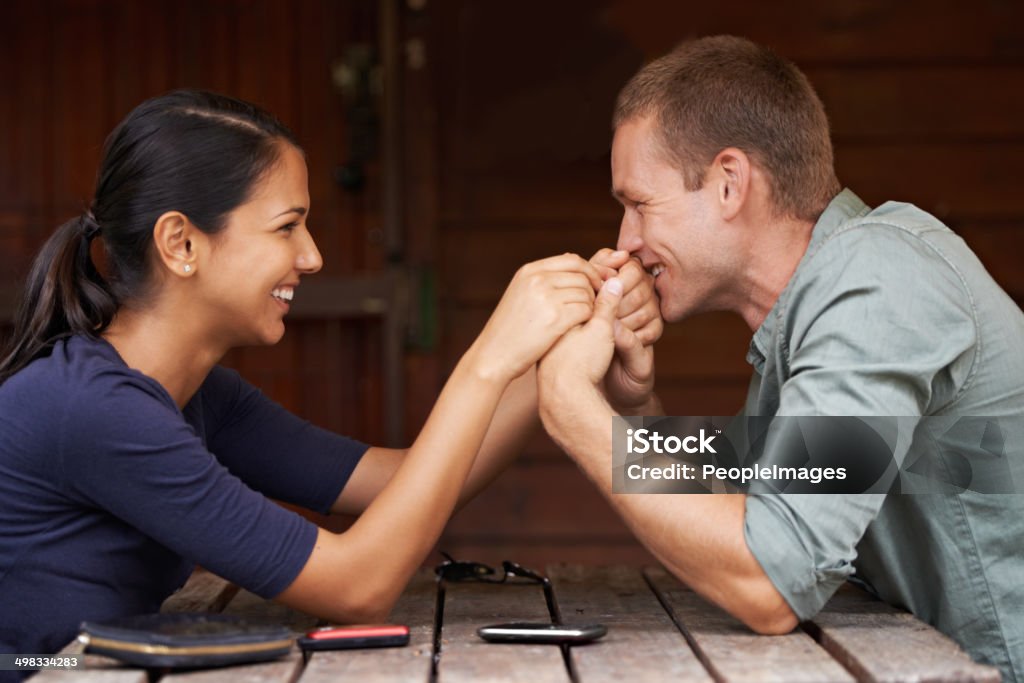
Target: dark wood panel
[
  {"x": 79, "y": 105},
  {"x": 928, "y": 103},
  {"x": 999, "y": 246},
  {"x": 953, "y": 181},
  {"x": 551, "y": 499},
  {"x": 845, "y": 32},
  {"x": 477, "y": 263}
]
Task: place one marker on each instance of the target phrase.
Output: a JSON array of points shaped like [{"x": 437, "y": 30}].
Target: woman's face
[{"x": 255, "y": 263}]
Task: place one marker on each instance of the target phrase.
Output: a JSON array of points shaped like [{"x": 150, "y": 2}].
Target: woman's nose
[{"x": 309, "y": 259}]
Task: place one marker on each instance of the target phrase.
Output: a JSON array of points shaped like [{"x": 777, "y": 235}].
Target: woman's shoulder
[{"x": 81, "y": 370}]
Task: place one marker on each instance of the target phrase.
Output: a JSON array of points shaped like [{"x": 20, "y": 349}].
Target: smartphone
[
  {"x": 522, "y": 632},
  {"x": 352, "y": 637}
]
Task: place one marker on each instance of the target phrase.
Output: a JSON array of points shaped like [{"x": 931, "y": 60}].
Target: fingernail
[
  {"x": 619, "y": 252},
  {"x": 614, "y": 285}
]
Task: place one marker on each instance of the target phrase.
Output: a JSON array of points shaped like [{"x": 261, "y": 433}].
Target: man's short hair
[{"x": 723, "y": 91}]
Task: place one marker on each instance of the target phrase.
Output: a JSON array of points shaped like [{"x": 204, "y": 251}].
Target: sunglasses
[{"x": 511, "y": 573}]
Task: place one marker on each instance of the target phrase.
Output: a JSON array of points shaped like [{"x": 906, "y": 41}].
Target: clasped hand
[
  {"x": 613, "y": 350},
  {"x": 586, "y": 321}
]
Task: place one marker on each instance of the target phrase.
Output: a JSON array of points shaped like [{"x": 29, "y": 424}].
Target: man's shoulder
[{"x": 896, "y": 244}]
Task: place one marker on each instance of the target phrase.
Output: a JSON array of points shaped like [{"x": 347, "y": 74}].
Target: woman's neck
[{"x": 165, "y": 348}]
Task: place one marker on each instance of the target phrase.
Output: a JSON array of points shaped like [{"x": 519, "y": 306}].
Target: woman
[{"x": 127, "y": 455}]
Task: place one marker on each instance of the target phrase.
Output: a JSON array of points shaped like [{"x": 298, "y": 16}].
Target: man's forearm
[{"x": 699, "y": 538}]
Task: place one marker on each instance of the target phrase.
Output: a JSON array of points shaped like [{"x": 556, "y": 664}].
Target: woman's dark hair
[{"x": 190, "y": 151}]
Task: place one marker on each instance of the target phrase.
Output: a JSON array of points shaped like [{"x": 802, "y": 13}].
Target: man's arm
[{"x": 699, "y": 538}]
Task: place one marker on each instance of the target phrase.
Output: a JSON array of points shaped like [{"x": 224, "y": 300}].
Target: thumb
[
  {"x": 610, "y": 259},
  {"x": 607, "y": 303},
  {"x": 634, "y": 356}
]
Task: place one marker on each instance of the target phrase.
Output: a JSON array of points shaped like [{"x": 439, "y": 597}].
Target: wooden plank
[
  {"x": 412, "y": 663},
  {"x": 878, "y": 642},
  {"x": 465, "y": 657},
  {"x": 203, "y": 592},
  {"x": 254, "y": 608},
  {"x": 283, "y": 670},
  {"x": 538, "y": 551},
  {"x": 642, "y": 642},
  {"x": 732, "y": 652}
]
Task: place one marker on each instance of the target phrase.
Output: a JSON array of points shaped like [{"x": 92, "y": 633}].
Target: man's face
[{"x": 675, "y": 233}]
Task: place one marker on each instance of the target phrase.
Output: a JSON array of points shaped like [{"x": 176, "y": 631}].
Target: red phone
[{"x": 352, "y": 637}]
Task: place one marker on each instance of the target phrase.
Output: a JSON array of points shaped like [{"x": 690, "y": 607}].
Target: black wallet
[{"x": 185, "y": 640}]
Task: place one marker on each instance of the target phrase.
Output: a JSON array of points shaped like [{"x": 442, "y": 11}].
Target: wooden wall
[{"x": 505, "y": 156}]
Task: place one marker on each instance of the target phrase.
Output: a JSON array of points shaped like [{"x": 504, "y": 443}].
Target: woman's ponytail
[{"x": 64, "y": 295}]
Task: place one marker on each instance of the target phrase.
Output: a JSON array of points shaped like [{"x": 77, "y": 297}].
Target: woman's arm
[
  {"x": 357, "y": 575},
  {"x": 516, "y": 419}
]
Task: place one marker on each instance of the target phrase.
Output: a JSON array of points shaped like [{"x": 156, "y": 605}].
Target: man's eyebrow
[{"x": 301, "y": 210}]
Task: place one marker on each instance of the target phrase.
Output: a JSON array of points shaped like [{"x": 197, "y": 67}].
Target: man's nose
[{"x": 629, "y": 235}]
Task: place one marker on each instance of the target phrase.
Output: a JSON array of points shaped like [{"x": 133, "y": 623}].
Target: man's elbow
[
  {"x": 775, "y": 621},
  {"x": 765, "y": 611}
]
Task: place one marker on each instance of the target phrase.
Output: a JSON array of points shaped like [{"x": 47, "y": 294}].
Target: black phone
[
  {"x": 353, "y": 637},
  {"x": 523, "y": 632}
]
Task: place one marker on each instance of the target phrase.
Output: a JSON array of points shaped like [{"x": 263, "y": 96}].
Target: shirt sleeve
[
  {"x": 272, "y": 450},
  {"x": 880, "y": 325},
  {"x": 126, "y": 449}
]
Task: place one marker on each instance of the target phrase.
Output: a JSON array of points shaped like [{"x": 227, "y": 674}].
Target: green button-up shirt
[{"x": 889, "y": 313}]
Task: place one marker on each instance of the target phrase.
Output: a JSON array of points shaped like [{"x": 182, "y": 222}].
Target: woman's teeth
[
  {"x": 283, "y": 294},
  {"x": 657, "y": 270}
]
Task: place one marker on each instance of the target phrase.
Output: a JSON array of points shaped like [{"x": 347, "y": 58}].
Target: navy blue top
[{"x": 109, "y": 494}]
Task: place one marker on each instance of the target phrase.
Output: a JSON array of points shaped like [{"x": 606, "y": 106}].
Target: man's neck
[{"x": 773, "y": 259}]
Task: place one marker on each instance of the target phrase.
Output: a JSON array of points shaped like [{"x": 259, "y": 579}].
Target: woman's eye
[{"x": 288, "y": 228}]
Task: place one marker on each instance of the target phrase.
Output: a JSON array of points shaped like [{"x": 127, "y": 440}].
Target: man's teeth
[
  {"x": 657, "y": 270},
  {"x": 283, "y": 294}
]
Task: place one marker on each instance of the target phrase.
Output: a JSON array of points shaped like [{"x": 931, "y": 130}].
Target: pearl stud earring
[{"x": 188, "y": 268}]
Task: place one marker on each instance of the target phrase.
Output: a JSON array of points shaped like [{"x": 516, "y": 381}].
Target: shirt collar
[{"x": 843, "y": 207}]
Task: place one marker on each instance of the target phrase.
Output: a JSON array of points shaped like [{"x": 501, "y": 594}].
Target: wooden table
[{"x": 658, "y": 630}]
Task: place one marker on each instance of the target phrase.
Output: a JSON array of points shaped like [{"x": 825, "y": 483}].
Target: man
[{"x": 723, "y": 164}]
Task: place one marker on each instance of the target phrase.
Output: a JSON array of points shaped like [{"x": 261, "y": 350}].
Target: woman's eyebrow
[{"x": 301, "y": 210}]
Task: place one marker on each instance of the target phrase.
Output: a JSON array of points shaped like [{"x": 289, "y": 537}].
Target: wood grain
[
  {"x": 878, "y": 642},
  {"x": 734, "y": 653},
  {"x": 642, "y": 642},
  {"x": 465, "y": 657},
  {"x": 203, "y": 592},
  {"x": 415, "y": 609}
]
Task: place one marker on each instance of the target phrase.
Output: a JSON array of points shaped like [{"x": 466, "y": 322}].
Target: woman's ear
[
  {"x": 174, "y": 237},
  {"x": 731, "y": 171}
]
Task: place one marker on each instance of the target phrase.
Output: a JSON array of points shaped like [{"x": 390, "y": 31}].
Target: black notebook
[{"x": 185, "y": 640}]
